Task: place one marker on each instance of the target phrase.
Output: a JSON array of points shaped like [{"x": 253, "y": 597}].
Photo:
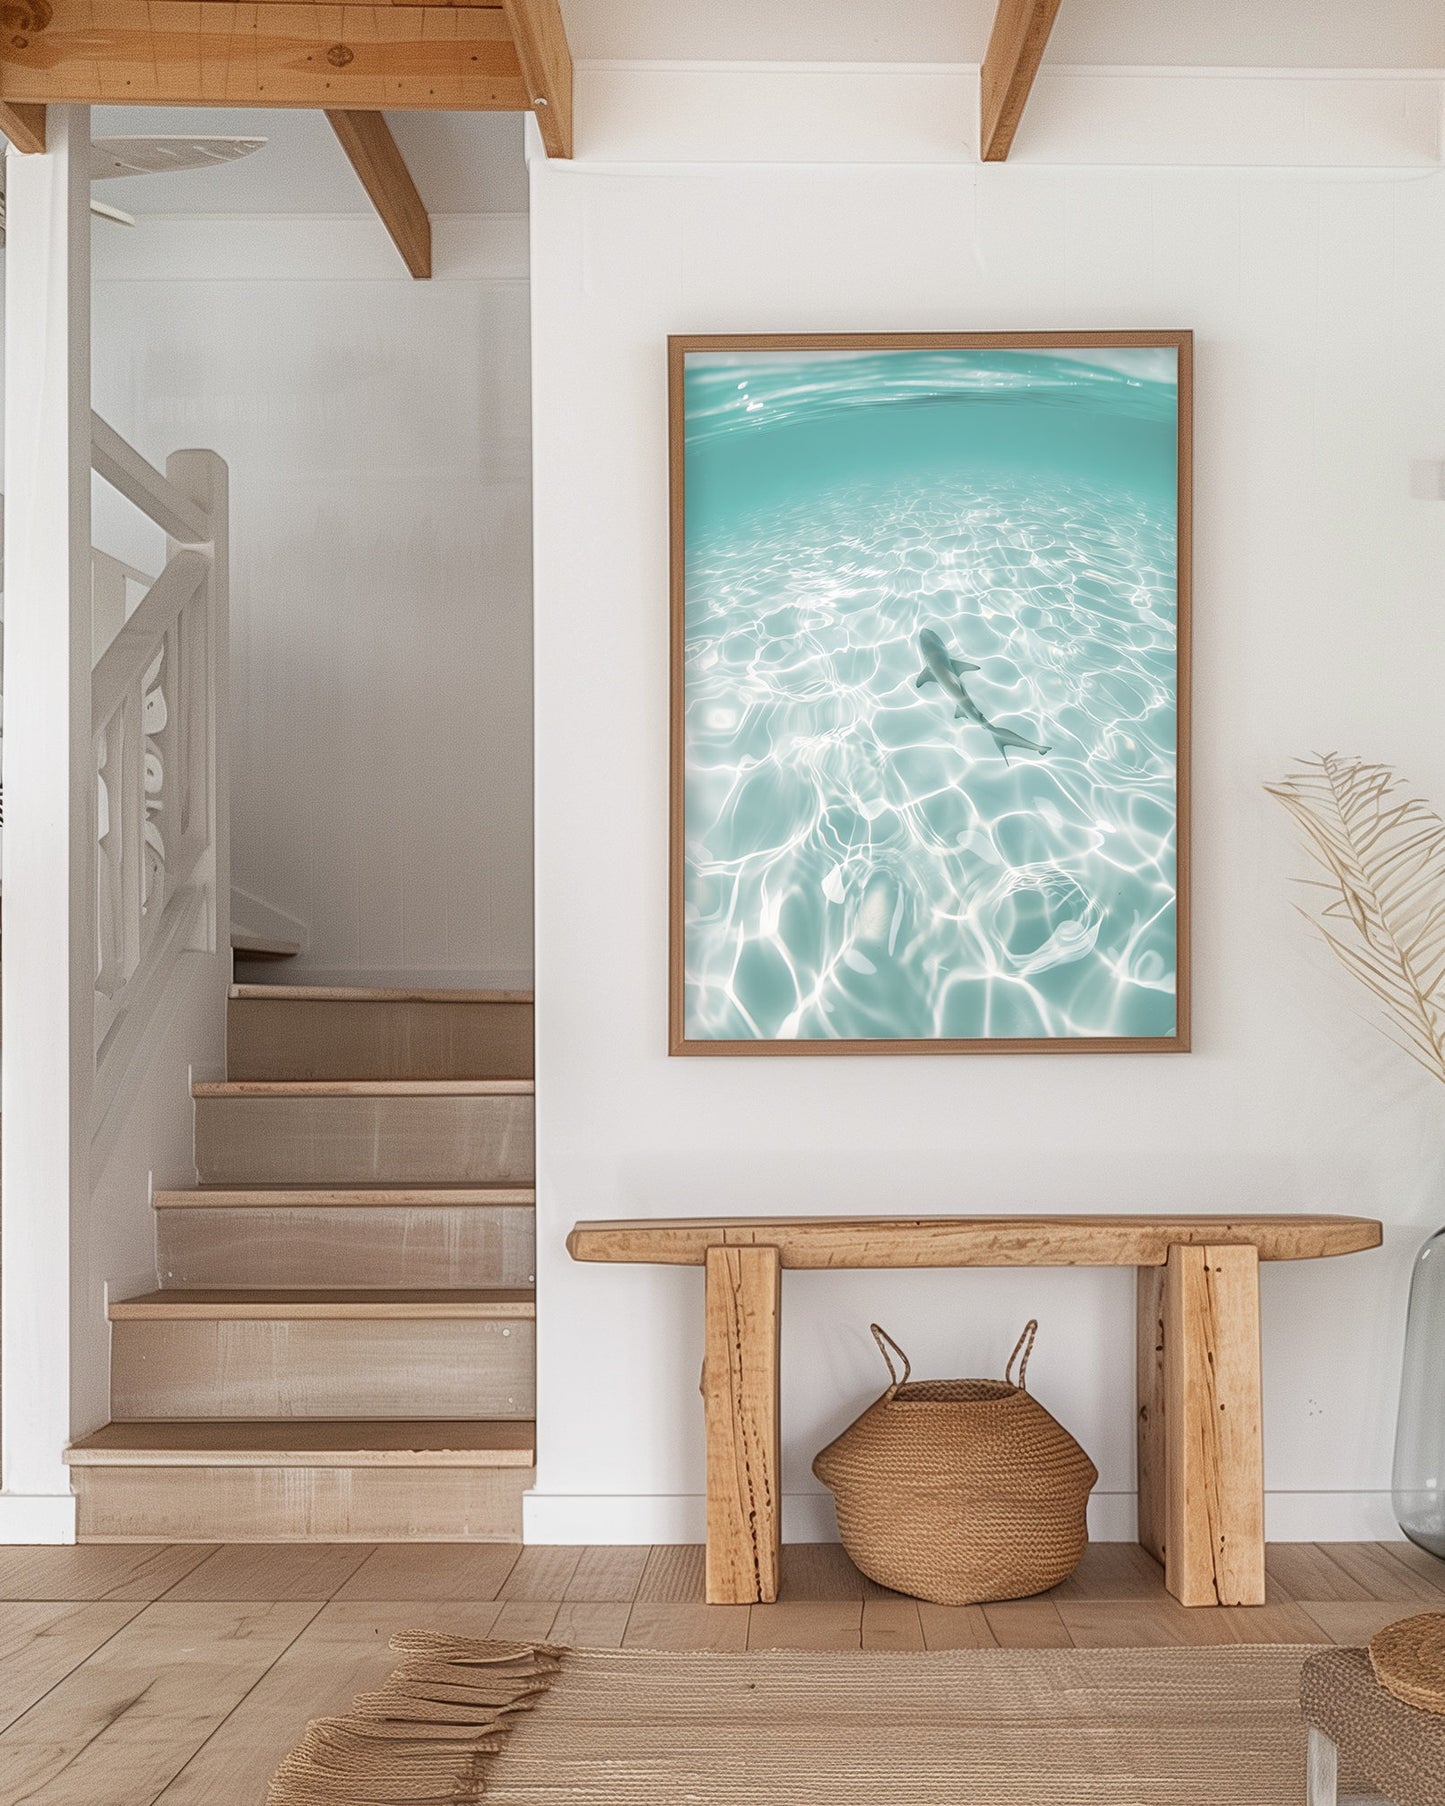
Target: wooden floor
[{"x": 136, "y": 1674}]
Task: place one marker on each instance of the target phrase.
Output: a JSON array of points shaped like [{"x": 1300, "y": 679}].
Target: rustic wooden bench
[{"x": 1201, "y": 1459}]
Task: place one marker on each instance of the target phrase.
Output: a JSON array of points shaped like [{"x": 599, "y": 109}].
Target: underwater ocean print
[{"x": 930, "y": 670}]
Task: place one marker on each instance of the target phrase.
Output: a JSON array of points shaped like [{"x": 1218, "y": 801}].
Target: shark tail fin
[{"x": 1004, "y": 738}]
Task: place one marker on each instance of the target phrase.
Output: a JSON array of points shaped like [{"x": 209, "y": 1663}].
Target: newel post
[{"x": 50, "y": 783}]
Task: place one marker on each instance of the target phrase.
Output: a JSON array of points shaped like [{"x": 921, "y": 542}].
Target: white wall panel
[
  {"x": 1321, "y": 378},
  {"x": 378, "y": 439}
]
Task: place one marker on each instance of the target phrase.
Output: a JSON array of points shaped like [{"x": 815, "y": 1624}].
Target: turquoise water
[{"x": 868, "y": 858}]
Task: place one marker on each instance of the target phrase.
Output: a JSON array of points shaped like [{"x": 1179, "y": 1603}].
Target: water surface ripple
[{"x": 859, "y": 863}]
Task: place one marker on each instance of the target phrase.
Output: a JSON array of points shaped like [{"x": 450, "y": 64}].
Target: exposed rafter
[
  {"x": 541, "y": 41},
  {"x": 366, "y": 138},
  {"x": 24, "y": 126},
  {"x": 1015, "y": 49}
]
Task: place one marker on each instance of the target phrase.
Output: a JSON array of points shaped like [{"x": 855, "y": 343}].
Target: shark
[{"x": 947, "y": 673}]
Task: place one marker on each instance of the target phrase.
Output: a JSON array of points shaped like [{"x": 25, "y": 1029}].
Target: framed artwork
[{"x": 930, "y": 693}]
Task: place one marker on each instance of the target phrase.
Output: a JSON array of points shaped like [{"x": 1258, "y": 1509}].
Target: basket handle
[
  {"x": 885, "y": 1342},
  {"x": 1026, "y": 1343}
]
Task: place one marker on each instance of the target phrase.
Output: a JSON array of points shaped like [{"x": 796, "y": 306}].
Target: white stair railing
[{"x": 157, "y": 696}]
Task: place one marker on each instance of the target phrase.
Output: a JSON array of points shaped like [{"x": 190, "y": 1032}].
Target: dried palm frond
[{"x": 1383, "y": 852}]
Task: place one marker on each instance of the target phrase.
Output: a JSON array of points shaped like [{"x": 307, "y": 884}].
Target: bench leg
[
  {"x": 1201, "y": 1452},
  {"x": 740, "y": 1394},
  {"x": 1323, "y": 1770},
  {"x": 1149, "y": 1340}
]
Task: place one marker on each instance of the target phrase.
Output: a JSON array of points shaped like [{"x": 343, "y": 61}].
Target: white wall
[
  {"x": 377, "y": 435},
  {"x": 1226, "y": 33},
  {"x": 1321, "y": 377}
]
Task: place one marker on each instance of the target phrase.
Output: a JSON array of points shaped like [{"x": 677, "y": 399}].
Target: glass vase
[{"x": 1419, "y": 1477}]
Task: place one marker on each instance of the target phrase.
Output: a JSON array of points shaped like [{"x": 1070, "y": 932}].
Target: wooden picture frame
[{"x": 1097, "y": 349}]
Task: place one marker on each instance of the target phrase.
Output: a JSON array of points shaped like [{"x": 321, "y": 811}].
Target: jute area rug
[{"x": 463, "y": 1721}]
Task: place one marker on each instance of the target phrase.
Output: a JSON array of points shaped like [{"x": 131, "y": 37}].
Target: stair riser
[
  {"x": 300, "y": 1504},
  {"x": 349, "y": 1368},
  {"x": 299, "y": 1141},
  {"x": 309, "y": 1038},
  {"x": 458, "y": 1245}
]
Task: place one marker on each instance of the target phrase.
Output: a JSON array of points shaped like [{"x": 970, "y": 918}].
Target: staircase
[{"x": 342, "y": 1346}]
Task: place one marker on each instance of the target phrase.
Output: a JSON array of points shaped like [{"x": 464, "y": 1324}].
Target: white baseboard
[
  {"x": 808, "y": 1517},
  {"x": 1330, "y": 1517},
  {"x": 37, "y": 1517},
  {"x": 573, "y": 1518}
]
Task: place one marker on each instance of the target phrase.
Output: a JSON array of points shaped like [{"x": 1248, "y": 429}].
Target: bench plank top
[{"x": 939, "y": 1241}]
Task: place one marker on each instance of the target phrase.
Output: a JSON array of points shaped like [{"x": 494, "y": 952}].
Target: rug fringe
[{"x": 424, "y": 1737}]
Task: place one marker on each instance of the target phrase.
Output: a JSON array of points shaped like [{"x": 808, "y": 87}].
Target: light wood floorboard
[
  {"x": 608, "y": 1575},
  {"x": 668, "y": 1624},
  {"x": 1307, "y": 1572},
  {"x": 1354, "y": 1620},
  {"x": 1381, "y": 1577},
  {"x": 527, "y": 1620},
  {"x": 1426, "y": 1568},
  {"x": 272, "y": 1571},
  {"x": 128, "y": 1718},
  {"x": 146, "y": 1673},
  {"x": 432, "y": 1571},
  {"x": 806, "y": 1624},
  {"x": 591, "y": 1624},
  {"x": 1031, "y": 1624},
  {"x": 955, "y": 1627},
  {"x": 891, "y": 1622},
  {"x": 341, "y": 1652},
  {"x": 673, "y": 1574},
  {"x": 541, "y": 1573},
  {"x": 41, "y": 1643},
  {"x": 140, "y": 1571}
]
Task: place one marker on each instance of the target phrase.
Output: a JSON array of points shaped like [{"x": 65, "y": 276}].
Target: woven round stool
[
  {"x": 1355, "y": 1725},
  {"x": 1409, "y": 1660}
]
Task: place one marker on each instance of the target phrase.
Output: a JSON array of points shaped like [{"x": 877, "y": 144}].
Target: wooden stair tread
[
  {"x": 365, "y": 994},
  {"x": 231, "y": 1088},
  {"x": 272, "y": 1305},
  {"x": 309, "y": 1442},
  {"x": 374, "y": 1197}
]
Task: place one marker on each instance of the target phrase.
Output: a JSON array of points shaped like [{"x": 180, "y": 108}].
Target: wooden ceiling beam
[
  {"x": 541, "y": 41},
  {"x": 1015, "y": 49},
  {"x": 24, "y": 126},
  {"x": 366, "y": 138},
  {"x": 212, "y": 53},
  {"x": 507, "y": 56}
]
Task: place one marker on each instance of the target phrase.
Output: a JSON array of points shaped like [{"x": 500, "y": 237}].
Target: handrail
[
  {"x": 112, "y": 582},
  {"x": 157, "y": 691},
  {"x": 140, "y": 482},
  {"x": 124, "y": 663}
]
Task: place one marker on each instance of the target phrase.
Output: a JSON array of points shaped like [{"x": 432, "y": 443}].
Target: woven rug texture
[{"x": 1107, "y": 1727}]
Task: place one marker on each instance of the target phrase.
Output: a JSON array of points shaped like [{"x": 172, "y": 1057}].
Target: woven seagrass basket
[{"x": 960, "y": 1491}]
